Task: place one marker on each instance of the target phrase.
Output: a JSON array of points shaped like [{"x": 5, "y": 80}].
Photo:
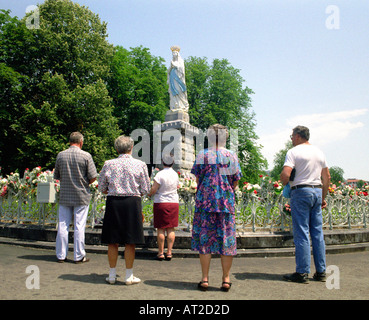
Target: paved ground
[{"x": 253, "y": 278}]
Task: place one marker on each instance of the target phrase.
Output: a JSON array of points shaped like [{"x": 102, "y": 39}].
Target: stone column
[{"x": 178, "y": 137}]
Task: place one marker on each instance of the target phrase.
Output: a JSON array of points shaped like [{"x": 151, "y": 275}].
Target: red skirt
[{"x": 166, "y": 215}]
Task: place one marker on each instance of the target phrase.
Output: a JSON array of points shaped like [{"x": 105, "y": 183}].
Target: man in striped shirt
[{"x": 75, "y": 169}]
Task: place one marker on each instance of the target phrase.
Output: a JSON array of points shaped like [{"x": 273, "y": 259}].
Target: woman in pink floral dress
[{"x": 217, "y": 172}]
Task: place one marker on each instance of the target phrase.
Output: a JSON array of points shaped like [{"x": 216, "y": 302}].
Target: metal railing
[{"x": 263, "y": 212}]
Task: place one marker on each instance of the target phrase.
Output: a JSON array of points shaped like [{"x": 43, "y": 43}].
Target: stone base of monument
[
  {"x": 177, "y": 115},
  {"x": 178, "y": 137}
]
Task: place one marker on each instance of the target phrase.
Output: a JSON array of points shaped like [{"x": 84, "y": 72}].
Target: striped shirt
[
  {"x": 124, "y": 176},
  {"x": 74, "y": 168}
]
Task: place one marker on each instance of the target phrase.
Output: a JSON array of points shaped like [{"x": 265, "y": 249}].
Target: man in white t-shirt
[{"x": 308, "y": 191}]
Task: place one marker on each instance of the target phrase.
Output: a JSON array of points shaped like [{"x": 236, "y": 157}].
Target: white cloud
[
  {"x": 325, "y": 128},
  {"x": 316, "y": 119}
]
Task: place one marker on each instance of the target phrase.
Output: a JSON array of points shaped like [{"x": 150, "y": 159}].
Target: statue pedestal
[
  {"x": 177, "y": 137},
  {"x": 177, "y": 115}
]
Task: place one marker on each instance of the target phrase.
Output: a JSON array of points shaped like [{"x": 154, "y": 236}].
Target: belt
[{"x": 305, "y": 186}]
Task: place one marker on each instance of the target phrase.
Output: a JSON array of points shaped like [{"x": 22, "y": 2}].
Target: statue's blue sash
[{"x": 173, "y": 77}]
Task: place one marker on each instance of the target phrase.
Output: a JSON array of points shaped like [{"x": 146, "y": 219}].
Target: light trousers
[{"x": 79, "y": 213}]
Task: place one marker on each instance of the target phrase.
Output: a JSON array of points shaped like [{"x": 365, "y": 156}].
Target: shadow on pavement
[
  {"x": 48, "y": 257},
  {"x": 87, "y": 278},
  {"x": 258, "y": 276},
  {"x": 172, "y": 284}
]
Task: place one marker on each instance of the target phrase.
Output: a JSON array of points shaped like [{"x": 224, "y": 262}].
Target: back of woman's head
[
  {"x": 168, "y": 160},
  {"x": 123, "y": 144},
  {"x": 217, "y": 135}
]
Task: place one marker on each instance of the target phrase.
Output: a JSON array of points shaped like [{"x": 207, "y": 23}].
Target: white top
[
  {"x": 169, "y": 181},
  {"x": 308, "y": 161}
]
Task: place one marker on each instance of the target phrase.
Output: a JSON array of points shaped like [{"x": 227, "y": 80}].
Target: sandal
[
  {"x": 226, "y": 289},
  {"x": 201, "y": 287},
  {"x": 168, "y": 257},
  {"x": 160, "y": 257}
]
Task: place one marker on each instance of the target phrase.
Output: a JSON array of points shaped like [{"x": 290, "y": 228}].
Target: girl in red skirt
[{"x": 166, "y": 206}]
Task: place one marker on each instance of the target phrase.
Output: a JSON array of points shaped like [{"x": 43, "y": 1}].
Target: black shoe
[
  {"x": 320, "y": 276},
  {"x": 201, "y": 287},
  {"x": 160, "y": 257},
  {"x": 297, "y": 277},
  {"x": 225, "y": 289}
]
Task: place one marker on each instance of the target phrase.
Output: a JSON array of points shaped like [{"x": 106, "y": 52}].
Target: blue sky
[{"x": 302, "y": 71}]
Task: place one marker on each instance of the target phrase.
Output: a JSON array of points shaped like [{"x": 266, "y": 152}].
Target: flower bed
[{"x": 258, "y": 207}]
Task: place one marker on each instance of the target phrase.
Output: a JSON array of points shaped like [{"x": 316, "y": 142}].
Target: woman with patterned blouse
[
  {"x": 217, "y": 173},
  {"x": 124, "y": 180}
]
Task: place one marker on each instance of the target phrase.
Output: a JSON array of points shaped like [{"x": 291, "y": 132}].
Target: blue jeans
[{"x": 307, "y": 219}]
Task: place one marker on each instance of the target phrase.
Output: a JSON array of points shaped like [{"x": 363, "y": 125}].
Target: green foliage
[
  {"x": 55, "y": 80},
  {"x": 336, "y": 175},
  {"x": 216, "y": 95},
  {"x": 138, "y": 87},
  {"x": 279, "y": 159}
]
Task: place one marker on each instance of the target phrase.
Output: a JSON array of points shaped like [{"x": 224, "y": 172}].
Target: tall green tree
[
  {"x": 13, "y": 82},
  {"x": 216, "y": 94},
  {"x": 336, "y": 175},
  {"x": 138, "y": 88},
  {"x": 279, "y": 159},
  {"x": 58, "y": 75}
]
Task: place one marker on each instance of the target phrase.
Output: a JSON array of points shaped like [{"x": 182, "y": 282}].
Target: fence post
[{"x": 364, "y": 206}]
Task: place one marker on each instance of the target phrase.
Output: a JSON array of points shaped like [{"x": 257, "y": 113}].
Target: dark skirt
[
  {"x": 166, "y": 215},
  {"x": 123, "y": 221}
]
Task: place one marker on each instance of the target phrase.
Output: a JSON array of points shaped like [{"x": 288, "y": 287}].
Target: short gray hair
[
  {"x": 302, "y": 131},
  {"x": 75, "y": 137},
  {"x": 123, "y": 144}
]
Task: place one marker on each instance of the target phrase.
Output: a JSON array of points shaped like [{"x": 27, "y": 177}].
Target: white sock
[
  {"x": 112, "y": 273},
  {"x": 129, "y": 272}
]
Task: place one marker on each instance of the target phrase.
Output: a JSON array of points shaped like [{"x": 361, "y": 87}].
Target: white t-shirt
[
  {"x": 169, "y": 181},
  {"x": 308, "y": 161}
]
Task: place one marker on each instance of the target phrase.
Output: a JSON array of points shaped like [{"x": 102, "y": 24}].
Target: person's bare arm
[
  {"x": 285, "y": 175},
  {"x": 154, "y": 189},
  {"x": 235, "y": 185},
  {"x": 326, "y": 180}
]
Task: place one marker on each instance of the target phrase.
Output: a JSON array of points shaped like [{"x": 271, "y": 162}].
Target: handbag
[
  {"x": 287, "y": 191},
  {"x": 287, "y": 188}
]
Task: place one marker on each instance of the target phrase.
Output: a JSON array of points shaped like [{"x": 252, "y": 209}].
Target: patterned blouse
[
  {"x": 124, "y": 176},
  {"x": 216, "y": 170}
]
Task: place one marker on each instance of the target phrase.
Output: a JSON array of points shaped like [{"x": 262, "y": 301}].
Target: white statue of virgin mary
[{"x": 177, "y": 83}]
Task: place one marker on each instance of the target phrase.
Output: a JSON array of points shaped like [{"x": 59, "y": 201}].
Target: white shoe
[
  {"x": 111, "y": 280},
  {"x": 132, "y": 280}
]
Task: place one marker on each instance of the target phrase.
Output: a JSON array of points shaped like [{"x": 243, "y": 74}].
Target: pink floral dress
[{"x": 214, "y": 228}]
